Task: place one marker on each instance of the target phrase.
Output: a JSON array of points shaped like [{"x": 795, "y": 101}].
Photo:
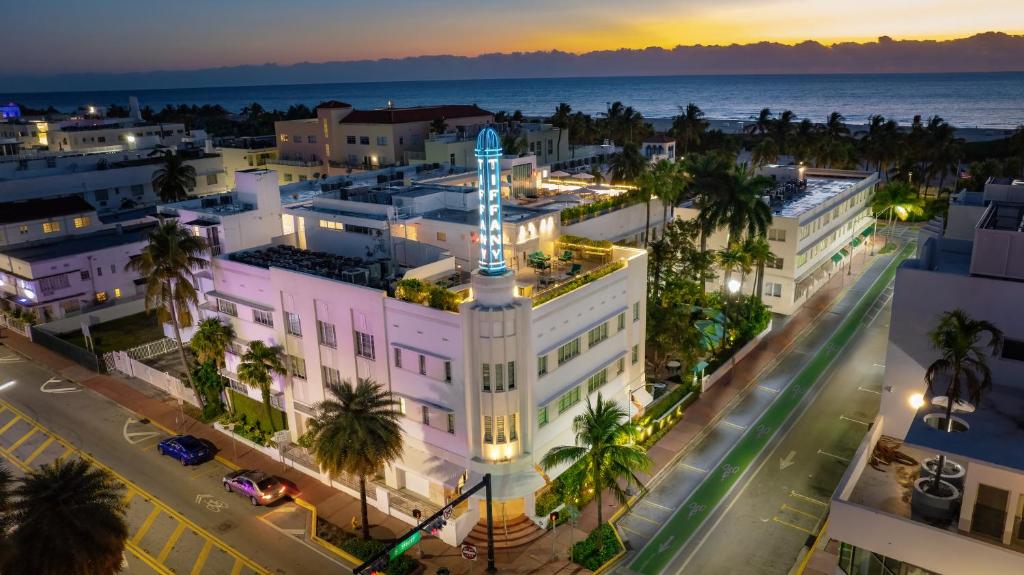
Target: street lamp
[
  {"x": 901, "y": 212},
  {"x": 733, "y": 285}
]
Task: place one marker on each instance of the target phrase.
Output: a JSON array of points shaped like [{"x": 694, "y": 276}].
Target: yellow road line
[
  {"x": 638, "y": 516},
  {"x": 197, "y": 568},
  {"x": 10, "y": 423},
  {"x": 68, "y": 450},
  {"x": 237, "y": 568},
  {"x": 39, "y": 450},
  {"x": 146, "y": 524},
  {"x": 807, "y": 556},
  {"x": 797, "y": 527},
  {"x": 128, "y": 498},
  {"x": 801, "y": 512},
  {"x": 806, "y": 498},
  {"x": 23, "y": 439},
  {"x": 170, "y": 543}
]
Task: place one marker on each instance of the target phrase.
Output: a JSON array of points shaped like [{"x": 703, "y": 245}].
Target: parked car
[
  {"x": 187, "y": 449},
  {"x": 260, "y": 488}
]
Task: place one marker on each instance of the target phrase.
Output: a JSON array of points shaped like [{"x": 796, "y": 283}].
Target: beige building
[
  {"x": 456, "y": 148},
  {"x": 341, "y": 138},
  {"x": 245, "y": 153}
]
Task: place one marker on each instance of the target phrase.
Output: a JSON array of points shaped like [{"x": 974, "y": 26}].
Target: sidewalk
[{"x": 746, "y": 371}]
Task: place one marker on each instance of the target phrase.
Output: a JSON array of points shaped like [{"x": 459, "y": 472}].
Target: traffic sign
[
  {"x": 469, "y": 552},
  {"x": 404, "y": 545},
  {"x": 447, "y": 514}
]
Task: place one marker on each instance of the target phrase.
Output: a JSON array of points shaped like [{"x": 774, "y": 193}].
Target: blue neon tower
[{"x": 488, "y": 152}]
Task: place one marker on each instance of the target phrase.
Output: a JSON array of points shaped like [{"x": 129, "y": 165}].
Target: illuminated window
[
  {"x": 51, "y": 227},
  {"x": 284, "y": 137},
  {"x": 82, "y": 221},
  {"x": 501, "y": 429},
  {"x": 488, "y": 429},
  {"x": 101, "y": 296},
  {"x": 442, "y": 237},
  {"x": 117, "y": 292},
  {"x": 23, "y": 230},
  {"x": 332, "y": 225}
]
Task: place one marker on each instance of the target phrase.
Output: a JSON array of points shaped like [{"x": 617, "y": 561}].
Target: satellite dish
[{"x": 959, "y": 406}]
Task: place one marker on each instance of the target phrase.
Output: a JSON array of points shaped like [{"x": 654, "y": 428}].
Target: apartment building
[
  {"x": 878, "y": 515},
  {"x": 456, "y": 147},
  {"x": 487, "y": 386},
  {"x": 819, "y": 217},
  {"x": 658, "y": 147},
  {"x": 109, "y": 181},
  {"x": 245, "y": 153},
  {"x": 342, "y": 138},
  {"x": 116, "y": 135}
]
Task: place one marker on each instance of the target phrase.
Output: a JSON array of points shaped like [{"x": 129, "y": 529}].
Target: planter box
[
  {"x": 941, "y": 509},
  {"x": 726, "y": 367}
]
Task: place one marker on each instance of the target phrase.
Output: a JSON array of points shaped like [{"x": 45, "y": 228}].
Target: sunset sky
[{"x": 117, "y": 35}]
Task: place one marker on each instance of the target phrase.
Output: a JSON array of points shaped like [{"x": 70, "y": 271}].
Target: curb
[{"x": 323, "y": 542}]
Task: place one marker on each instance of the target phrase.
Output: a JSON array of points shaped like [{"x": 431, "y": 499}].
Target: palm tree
[
  {"x": 356, "y": 431},
  {"x": 762, "y": 123},
  {"x": 782, "y": 129},
  {"x": 514, "y": 144},
  {"x": 6, "y": 521},
  {"x": 804, "y": 139},
  {"x": 628, "y": 164},
  {"x": 257, "y": 368},
  {"x": 211, "y": 340},
  {"x": 174, "y": 179},
  {"x": 662, "y": 180},
  {"x": 765, "y": 152},
  {"x": 168, "y": 264},
  {"x": 738, "y": 207},
  {"x": 438, "y": 125},
  {"x": 959, "y": 339},
  {"x": 604, "y": 441},
  {"x": 759, "y": 252},
  {"x": 730, "y": 258},
  {"x": 77, "y": 505},
  {"x": 595, "y": 171},
  {"x": 689, "y": 126},
  {"x": 560, "y": 119}
]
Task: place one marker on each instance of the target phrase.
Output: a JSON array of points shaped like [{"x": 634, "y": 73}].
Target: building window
[
  {"x": 511, "y": 375},
  {"x": 635, "y": 355},
  {"x": 364, "y": 140},
  {"x": 542, "y": 365},
  {"x": 513, "y": 421},
  {"x": 636, "y": 311},
  {"x": 568, "y": 351},
  {"x": 597, "y": 380},
  {"x": 331, "y": 375},
  {"x": 298, "y": 366},
  {"x": 621, "y": 321},
  {"x": 597, "y": 335},
  {"x": 447, "y": 372},
  {"x": 501, "y": 429},
  {"x": 23, "y": 229},
  {"x": 101, "y": 296},
  {"x": 263, "y": 317},
  {"x": 451, "y": 423},
  {"x": 569, "y": 399},
  {"x": 350, "y": 139},
  {"x": 620, "y": 366},
  {"x": 84, "y": 274},
  {"x": 426, "y": 414},
  {"x": 211, "y": 179},
  {"x": 225, "y": 306},
  {"x": 401, "y": 405},
  {"x": 310, "y": 139},
  {"x": 1013, "y": 349},
  {"x": 99, "y": 272},
  {"x": 773, "y": 289},
  {"x": 292, "y": 324},
  {"x": 499, "y": 379},
  {"x": 398, "y": 357},
  {"x": 325, "y": 334},
  {"x": 284, "y": 137},
  {"x": 542, "y": 416},
  {"x": 51, "y": 227},
  {"x": 382, "y": 140},
  {"x": 117, "y": 292},
  {"x": 776, "y": 235},
  {"x": 488, "y": 429},
  {"x": 364, "y": 345},
  {"x": 775, "y": 263},
  {"x": 331, "y": 225},
  {"x": 423, "y": 364},
  {"x": 485, "y": 377},
  {"x": 442, "y": 237},
  {"x": 81, "y": 221}
]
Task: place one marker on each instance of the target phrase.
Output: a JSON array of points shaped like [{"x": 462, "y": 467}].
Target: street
[
  {"x": 684, "y": 500},
  {"x": 180, "y": 518}
]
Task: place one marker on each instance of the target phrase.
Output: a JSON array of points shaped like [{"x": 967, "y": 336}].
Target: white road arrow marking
[
  {"x": 135, "y": 437},
  {"x": 786, "y": 461},
  {"x": 48, "y": 386},
  {"x": 665, "y": 546}
]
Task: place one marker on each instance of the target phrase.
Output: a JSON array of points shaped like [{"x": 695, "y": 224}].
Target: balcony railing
[{"x": 297, "y": 163}]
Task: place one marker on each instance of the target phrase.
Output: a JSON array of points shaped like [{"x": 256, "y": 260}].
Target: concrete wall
[{"x": 626, "y": 224}]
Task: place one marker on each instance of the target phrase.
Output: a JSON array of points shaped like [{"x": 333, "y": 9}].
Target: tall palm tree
[
  {"x": 628, "y": 164},
  {"x": 960, "y": 341},
  {"x": 174, "y": 179},
  {"x": 69, "y": 519},
  {"x": 664, "y": 181},
  {"x": 513, "y": 143},
  {"x": 6, "y": 521},
  {"x": 759, "y": 252},
  {"x": 782, "y": 129},
  {"x": 805, "y": 138},
  {"x": 438, "y": 125},
  {"x": 604, "y": 441},
  {"x": 765, "y": 152},
  {"x": 356, "y": 431},
  {"x": 737, "y": 206},
  {"x": 257, "y": 368},
  {"x": 689, "y": 126},
  {"x": 762, "y": 123},
  {"x": 211, "y": 340},
  {"x": 168, "y": 264},
  {"x": 561, "y": 119},
  {"x": 731, "y": 258}
]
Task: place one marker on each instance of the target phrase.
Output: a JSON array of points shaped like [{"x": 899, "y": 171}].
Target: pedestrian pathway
[{"x": 690, "y": 490}]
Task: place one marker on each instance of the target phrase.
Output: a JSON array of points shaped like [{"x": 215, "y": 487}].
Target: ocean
[{"x": 977, "y": 100}]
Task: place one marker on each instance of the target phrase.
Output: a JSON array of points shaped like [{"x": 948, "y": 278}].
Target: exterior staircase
[{"x": 512, "y": 533}]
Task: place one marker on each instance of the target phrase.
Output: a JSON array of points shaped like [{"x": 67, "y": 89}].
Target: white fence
[
  {"x": 16, "y": 325},
  {"x": 124, "y": 363}
]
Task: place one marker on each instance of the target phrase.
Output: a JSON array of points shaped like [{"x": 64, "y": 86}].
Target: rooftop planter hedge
[
  {"x": 585, "y": 211},
  {"x": 428, "y": 294},
  {"x": 576, "y": 283}
]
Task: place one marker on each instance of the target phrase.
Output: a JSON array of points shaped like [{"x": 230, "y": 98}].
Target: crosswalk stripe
[
  {"x": 23, "y": 439},
  {"x": 170, "y": 543},
  {"x": 39, "y": 450},
  {"x": 9, "y": 424},
  {"x": 146, "y": 525},
  {"x": 197, "y": 567}
]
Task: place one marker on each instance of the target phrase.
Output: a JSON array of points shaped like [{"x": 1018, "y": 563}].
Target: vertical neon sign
[{"x": 488, "y": 152}]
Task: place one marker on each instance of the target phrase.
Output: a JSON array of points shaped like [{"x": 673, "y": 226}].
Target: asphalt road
[
  {"x": 765, "y": 523},
  {"x": 685, "y": 500},
  {"x": 180, "y": 518}
]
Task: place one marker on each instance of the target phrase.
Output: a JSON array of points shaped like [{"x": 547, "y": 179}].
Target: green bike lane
[{"x": 687, "y": 519}]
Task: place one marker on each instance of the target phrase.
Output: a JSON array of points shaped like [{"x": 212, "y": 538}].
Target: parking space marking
[
  {"x": 237, "y": 567},
  {"x": 688, "y": 466},
  {"x": 171, "y": 541},
  {"x": 864, "y": 423},
  {"x": 768, "y": 389},
  {"x": 834, "y": 456},
  {"x": 862, "y": 388},
  {"x": 806, "y": 498},
  {"x": 800, "y": 511},
  {"x": 197, "y": 567},
  {"x": 32, "y": 431},
  {"x": 39, "y": 450},
  {"x": 9, "y": 424},
  {"x": 146, "y": 524},
  {"x": 797, "y": 527},
  {"x": 638, "y": 516},
  {"x": 659, "y": 505}
]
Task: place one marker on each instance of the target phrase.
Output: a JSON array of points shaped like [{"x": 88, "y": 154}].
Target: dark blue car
[{"x": 186, "y": 449}]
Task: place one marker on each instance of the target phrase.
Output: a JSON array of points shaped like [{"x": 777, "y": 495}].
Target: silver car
[{"x": 260, "y": 488}]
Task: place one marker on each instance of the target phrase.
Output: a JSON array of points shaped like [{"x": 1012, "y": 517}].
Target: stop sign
[{"x": 469, "y": 552}]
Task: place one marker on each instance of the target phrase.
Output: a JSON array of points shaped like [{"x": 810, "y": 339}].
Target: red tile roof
[
  {"x": 333, "y": 104},
  {"x": 659, "y": 139},
  {"x": 407, "y": 115}
]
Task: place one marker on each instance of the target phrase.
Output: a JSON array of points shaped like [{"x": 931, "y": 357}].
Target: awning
[
  {"x": 855, "y": 242},
  {"x": 845, "y": 252},
  {"x": 868, "y": 231},
  {"x": 641, "y": 398},
  {"x": 701, "y": 366},
  {"x": 837, "y": 258}
]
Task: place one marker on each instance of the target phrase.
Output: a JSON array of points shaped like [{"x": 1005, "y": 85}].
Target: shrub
[
  {"x": 598, "y": 548},
  {"x": 547, "y": 502},
  {"x": 585, "y": 211},
  {"x": 576, "y": 283},
  {"x": 428, "y": 294},
  {"x": 363, "y": 549}
]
